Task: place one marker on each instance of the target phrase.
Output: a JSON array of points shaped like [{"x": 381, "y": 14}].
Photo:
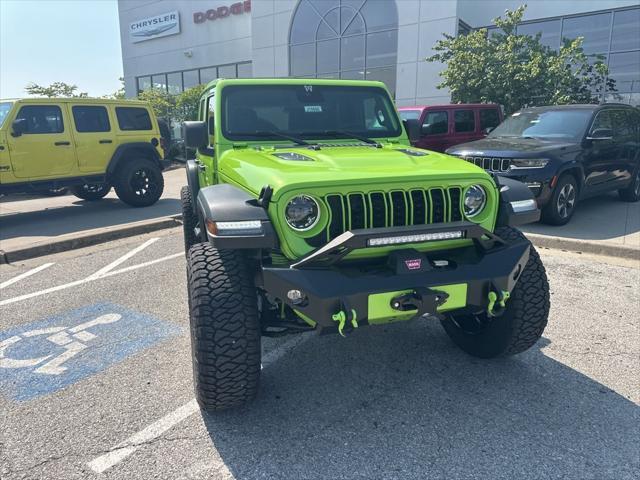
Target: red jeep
[{"x": 442, "y": 126}]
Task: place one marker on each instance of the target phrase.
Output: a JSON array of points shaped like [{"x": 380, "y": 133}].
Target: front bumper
[{"x": 329, "y": 288}]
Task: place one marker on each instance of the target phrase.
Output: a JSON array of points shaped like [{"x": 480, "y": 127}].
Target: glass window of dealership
[{"x": 358, "y": 39}]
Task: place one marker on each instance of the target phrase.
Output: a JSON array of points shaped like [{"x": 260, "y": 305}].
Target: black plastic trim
[
  {"x": 512, "y": 191},
  {"x": 39, "y": 185},
  {"x": 227, "y": 203},
  {"x": 123, "y": 150}
]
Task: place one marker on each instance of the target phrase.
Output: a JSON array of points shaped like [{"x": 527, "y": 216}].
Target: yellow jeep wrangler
[{"x": 86, "y": 145}]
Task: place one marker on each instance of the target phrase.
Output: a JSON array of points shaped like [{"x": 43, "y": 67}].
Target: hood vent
[{"x": 293, "y": 156}]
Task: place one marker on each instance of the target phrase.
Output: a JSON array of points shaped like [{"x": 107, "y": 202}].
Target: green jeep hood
[{"x": 340, "y": 165}]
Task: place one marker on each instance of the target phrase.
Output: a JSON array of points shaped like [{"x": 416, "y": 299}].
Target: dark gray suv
[{"x": 564, "y": 153}]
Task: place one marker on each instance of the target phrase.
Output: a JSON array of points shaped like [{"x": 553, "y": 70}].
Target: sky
[{"x": 72, "y": 41}]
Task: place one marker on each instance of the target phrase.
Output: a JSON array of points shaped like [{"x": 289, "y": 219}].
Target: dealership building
[{"x": 177, "y": 44}]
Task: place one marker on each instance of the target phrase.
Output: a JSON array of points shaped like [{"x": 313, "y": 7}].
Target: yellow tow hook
[
  {"x": 341, "y": 318},
  {"x": 492, "y": 311}
]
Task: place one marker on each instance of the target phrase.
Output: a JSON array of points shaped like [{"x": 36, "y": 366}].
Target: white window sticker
[{"x": 312, "y": 108}]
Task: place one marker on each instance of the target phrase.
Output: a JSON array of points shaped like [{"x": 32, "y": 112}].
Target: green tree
[
  {"x": 518, "y": 70},
  {"x": 56, "y": 89},
  {"x": 187, "y": 103},
  {"x": 163, "y": 104}
]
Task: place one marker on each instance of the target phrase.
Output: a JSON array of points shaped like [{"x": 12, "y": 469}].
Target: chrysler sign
[{"x": 154, "y": 27}]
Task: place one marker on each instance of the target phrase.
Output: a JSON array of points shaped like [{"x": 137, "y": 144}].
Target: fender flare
[
  {"x": 136, "y": 148},
  {"x": 193, "y": 182},
  {"x": 227, "y": 203},
  {"x": 511, "y": 190},
  {"x": 573, "y": 165}
]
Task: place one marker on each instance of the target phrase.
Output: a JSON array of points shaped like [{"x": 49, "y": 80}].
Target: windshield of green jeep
[
  {"x": 307, "y": 112},
  {"x": 4, "y": 111}
]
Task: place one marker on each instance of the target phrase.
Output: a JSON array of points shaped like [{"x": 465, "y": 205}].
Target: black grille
[
  {"x": 491, "y": 164},
  {"x": 384, "y": 209}
]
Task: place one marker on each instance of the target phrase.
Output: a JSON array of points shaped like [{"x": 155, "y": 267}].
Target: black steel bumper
[{"x": 488, "y": 265}]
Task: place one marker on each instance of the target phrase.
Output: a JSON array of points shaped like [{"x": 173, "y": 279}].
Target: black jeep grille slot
[
  {"x": 396, "y": 208},
  {"x": 336, "y": 226},
  {"x": 378, "y": 210},
  {"x": 439, "y": 207}
]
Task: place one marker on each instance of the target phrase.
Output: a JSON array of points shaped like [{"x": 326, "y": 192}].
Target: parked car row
[{"x": 562, "y": 153}]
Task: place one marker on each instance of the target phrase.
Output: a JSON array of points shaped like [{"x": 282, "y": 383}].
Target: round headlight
[
  {"x": 302, "y": 213},
  {"x": 475, "y": 199}
]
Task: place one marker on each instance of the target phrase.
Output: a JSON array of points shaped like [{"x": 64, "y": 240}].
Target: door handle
[
  {"x": 105, "y": 141},
  {"x": 58, "y": 144}
]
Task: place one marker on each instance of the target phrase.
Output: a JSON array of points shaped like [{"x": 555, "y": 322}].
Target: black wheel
[
  {"x": 139, "y": 182},
  {"x": 225, "y": 329},
  {"x": 563, "y": 201},
  {"x": 189, "y": 220},
  {"x": 91, "y": 191},
  {"x": 521, "y": 324},
  {"x": 632, "y": 192}
]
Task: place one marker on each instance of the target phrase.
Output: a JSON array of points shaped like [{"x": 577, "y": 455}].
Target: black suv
[{"x": 564, "y": 153}]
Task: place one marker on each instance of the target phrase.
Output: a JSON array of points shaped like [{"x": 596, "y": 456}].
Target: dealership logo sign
[
  {"x": 154, "y": 27},
  {"x": 222, "y": 12}
]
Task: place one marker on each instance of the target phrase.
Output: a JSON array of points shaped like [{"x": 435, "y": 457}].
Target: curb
[
  {"x": 542, "y": 241},
  {"x": 89, "y": 239},
  {"x": 584, "y": 246}
]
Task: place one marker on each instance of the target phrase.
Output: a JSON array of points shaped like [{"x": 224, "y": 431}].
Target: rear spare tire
[
  {"x": 139, "y": 182},
  {"x": 521, "y": 324},
  {"x": 225, "y": 328}
]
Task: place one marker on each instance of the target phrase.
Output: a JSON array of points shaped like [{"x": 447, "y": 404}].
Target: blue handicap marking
[{"x": 45, "y": 356}]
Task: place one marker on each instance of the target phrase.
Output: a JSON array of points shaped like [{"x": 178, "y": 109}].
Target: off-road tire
[
  {"x": 632, "y": 192},
  {"x": 189, "y": 220},
  {"x": 139, "y": 182},
  {"x": 91, "y": 192},
  {"x": 225, "y": 328},
  {"x": 551, "y": 212},
  {"x": 521, "y": 324}
]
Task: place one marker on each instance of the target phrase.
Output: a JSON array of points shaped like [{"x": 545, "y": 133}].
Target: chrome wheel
[{"x": 566, "y": 200}]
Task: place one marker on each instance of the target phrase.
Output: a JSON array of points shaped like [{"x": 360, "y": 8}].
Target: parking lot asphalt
[{"x": 95, "y": 382}]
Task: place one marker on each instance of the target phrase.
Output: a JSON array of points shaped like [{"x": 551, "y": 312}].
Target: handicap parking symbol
[{"x": 50, "y": 354}]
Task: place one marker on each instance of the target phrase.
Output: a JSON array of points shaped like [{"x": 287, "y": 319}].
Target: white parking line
[
  {"x": 131, "y": 444},
  {"x": 25, "y": 275},
  {"x": 87, "y": 280},
  {"x": 122, "y": 259}
]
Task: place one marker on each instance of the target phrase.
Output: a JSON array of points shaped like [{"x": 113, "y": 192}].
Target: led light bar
[
  {"x": 524, "y": 205},
  {"x": 241, "y": 228},
  {"x": 415, "y": 238}
]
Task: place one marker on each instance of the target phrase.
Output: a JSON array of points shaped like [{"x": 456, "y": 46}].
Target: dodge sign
[{"x": 154, "y": 27}]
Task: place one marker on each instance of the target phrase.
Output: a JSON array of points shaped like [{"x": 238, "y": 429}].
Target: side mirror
[
  {"x": 412, "y": 127},
  {"x": 195, "y": 134},
  {"x": 488, "y": 130},
  {"x": 601, "y": 134},
  {"x": 18, "y": 127}
]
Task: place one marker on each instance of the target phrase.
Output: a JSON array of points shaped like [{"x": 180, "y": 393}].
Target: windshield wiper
[
  {"x": 347, "y": 134},
  {"x": 266, "y": 133}
]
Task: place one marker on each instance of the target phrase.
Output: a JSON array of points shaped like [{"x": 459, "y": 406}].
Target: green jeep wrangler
[{"x": 307, "y": 209}]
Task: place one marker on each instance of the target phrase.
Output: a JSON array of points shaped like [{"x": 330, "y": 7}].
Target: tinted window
[
  {"x": 624, "y": 68},
  {"x": 603, "y": 120},
  {"x": 249, "y": 112},
  {"x": 625, "y": 30},
  {"x": 435, "y": 123},
  {"x": 191, "y": 78},
  {"x": 410, "y": 114},
  {"x": 544, "y": 124},
  {"x": 91, "y": 119},
  {"x": 42, "y": 118},
  {"x": 594, "y": 29},
  {"x": 133, "y": 118},
  {"x": 465, "y": 121},
  {"x": 489, "y": 118},
  {"x": 622, "y": 123},
  {"x": 5, "y": 107},
  {"x": 549, "y": 31}
]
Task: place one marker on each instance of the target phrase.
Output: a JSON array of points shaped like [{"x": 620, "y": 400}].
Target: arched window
[{"x": 353, "y": 39}]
